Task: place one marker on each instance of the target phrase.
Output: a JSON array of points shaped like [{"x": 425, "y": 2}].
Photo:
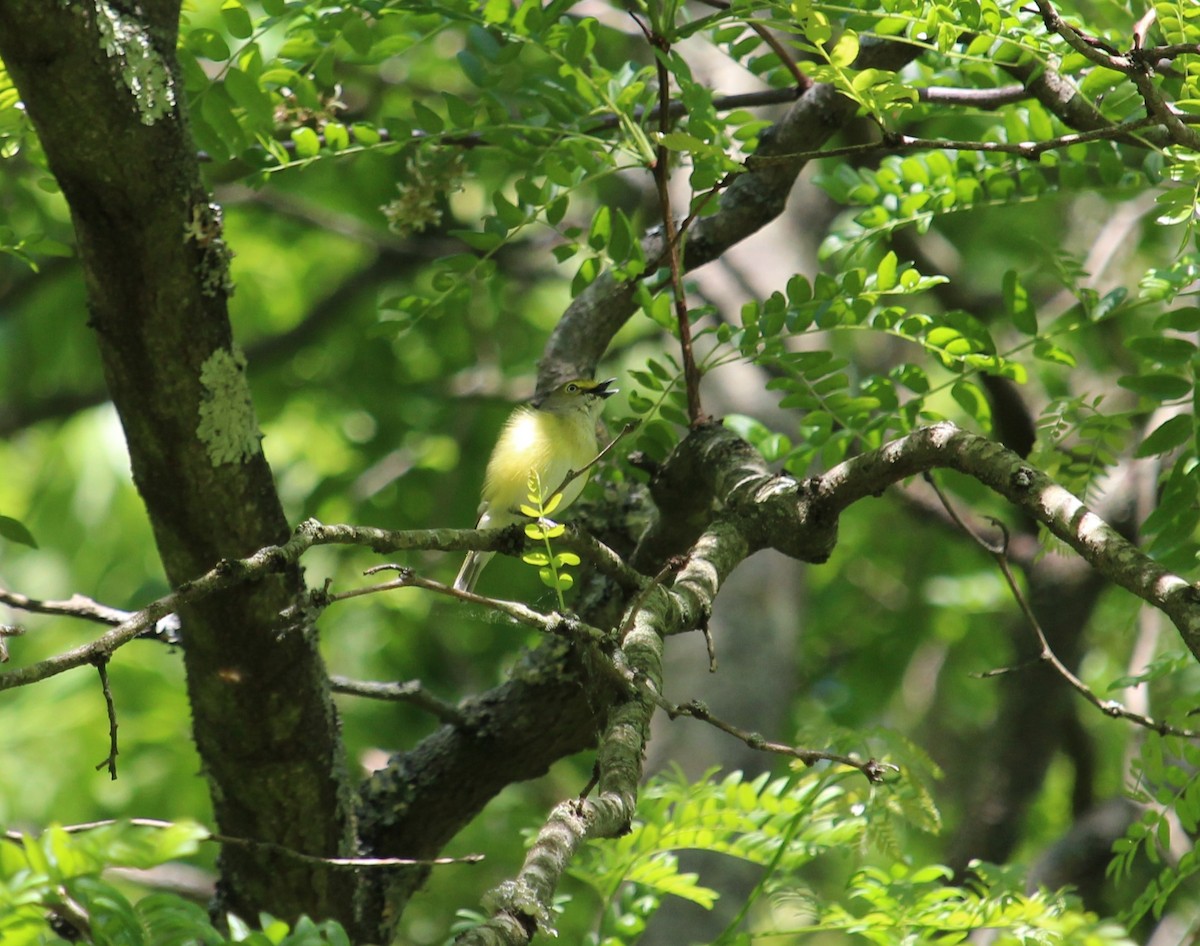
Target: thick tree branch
[
  {"x": 944, "y": 445},
  {"x": 524, "y": 905}
]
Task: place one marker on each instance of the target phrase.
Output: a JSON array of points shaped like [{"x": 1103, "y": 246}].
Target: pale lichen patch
[
  {"x": 228, "y": 428},
  {"x": 127, "y": 41}
]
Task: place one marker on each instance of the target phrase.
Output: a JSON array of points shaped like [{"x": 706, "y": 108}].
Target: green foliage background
[{"x": 414, "y": 193}]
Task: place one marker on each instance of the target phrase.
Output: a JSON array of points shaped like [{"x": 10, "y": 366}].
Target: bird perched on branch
[{"x": 552, "y": 435}]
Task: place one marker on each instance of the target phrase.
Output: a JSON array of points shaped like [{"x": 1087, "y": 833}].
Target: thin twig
[
  {"x": 602, "y": 558},
  {"x": 1023, "y": 149},
  {"x": 229, "y": 573},
  {"x": 1000, "y": 553},
  {"x": 1089, "y": 47},
  {"x": 560, "y": 625},
  {"x": 672, "y": 565},
  {"x": 629, "y": 428},
  {"x": 18, "y": 837},
  {"x": 710, "y": 645},
  {"x": 76, "y": 606},
  {"x": 1142, "y": 27},
  {"x": 698, "y": 204},
  {"x": 7, "y": 631},
  {"x": 1170, "y": 51},
  {"x": 111, "y": 761},
  {"x": 671, "y": 236},
  {"x": 874, "y": 770},
  {"x": 986, "y": 99},
  {"x": 803, "y": 82},
  {"x": 412, "y": 692}
]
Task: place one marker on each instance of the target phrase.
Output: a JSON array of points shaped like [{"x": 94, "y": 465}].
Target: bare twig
[
  {"x": 710, "y": 645},
  {"x": 672, "y": 565},
  {"x": 874, "y": 770},
  {"x": 602, "y": 558},
  {"x": 671, "y": 235},
  {"x": 76, "y": 606},
  {"x": 412, "y": 692},
  {"x": 7, "y": 631},
  {"x": 560, "y": 625},
  {"x": 1136, "y": 65},
  {"x": 629, "y": 428},
  {"x": 1023, "y": 149},
  {"x": 18, "y": 837},
  {"x": 111, "y": 761},
  {"x": 523, "y": 905},
  {"x": 1142, "y": 27},
  {"x": 1170, "y": 51},
  {"x": 1000, "y": 553},
  {"x": 803, "y": 82},
  {"x": 1087, "y": 46},
  {"x": 266, "y": 561},
  {"x": 986, "y": 99}
]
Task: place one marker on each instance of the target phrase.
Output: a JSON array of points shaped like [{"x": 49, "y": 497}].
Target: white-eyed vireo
[{"x": 551, "y": 435}]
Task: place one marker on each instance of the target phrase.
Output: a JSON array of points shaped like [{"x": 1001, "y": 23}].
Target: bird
[{"x": 553, "y": 434}]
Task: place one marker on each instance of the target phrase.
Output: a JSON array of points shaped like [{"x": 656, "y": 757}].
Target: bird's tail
[{"x": 472, "y": 566}]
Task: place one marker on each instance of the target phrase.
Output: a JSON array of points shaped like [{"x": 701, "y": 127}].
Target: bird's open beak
[{"x": 603, "y": 388}]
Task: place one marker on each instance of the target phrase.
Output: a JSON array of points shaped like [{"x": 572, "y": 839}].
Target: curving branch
[{"x": 1033, "y": 492}]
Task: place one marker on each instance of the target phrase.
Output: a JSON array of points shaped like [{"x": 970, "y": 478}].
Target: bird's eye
[{"x": 572, "y": 388}]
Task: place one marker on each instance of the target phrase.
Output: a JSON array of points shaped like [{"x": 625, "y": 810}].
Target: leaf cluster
[
  {"x": 53, "y": 890},
  {"x": 788, "y": 826}
]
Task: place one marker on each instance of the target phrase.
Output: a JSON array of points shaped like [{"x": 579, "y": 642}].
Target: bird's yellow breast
[{"x": 544, "y": 442}]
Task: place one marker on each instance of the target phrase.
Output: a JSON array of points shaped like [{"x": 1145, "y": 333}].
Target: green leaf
[
  {"x": 1167, "y": 436},
  {"x": 972, "y": 400},
  {"x": 246, "y": 93},
  {"x": 308, "y": 143},
  {"x": 428, "y": 120},
  {"x": 1167, "y": 350},
  {"x": 885, "y": 272},
  {"x": 1018, "y": 305},
  {"x": 682, "y": 141},
  {"x": 560, "y": 581},
  {"x": 1175, "y": 206},
  {"x": 556, "y": 210},
  {"x": 1160, "y": 386},
  {"x": 845, "y": 51},
  {"x": 601, "y": 228},
  {"x": 1047, "y": 351},
  {"x": 1186, "y": 319},
  {"x": 15, "y": 531},
  {"x": 336, "y": 135},
  {"x": 482, "y": 240},
  {"x": 207, "y": 43},
  {"x": 508, "y": 213},
  {"x": 236, "y": 19}
]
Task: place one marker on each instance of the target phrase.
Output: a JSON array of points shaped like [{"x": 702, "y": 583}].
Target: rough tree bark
[{"x": 99, "y": 84}]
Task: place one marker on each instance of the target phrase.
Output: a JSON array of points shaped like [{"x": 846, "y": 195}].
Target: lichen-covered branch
[
  {"x": 1036, "y": 494},
  {"x": 523, "y": 906}
]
